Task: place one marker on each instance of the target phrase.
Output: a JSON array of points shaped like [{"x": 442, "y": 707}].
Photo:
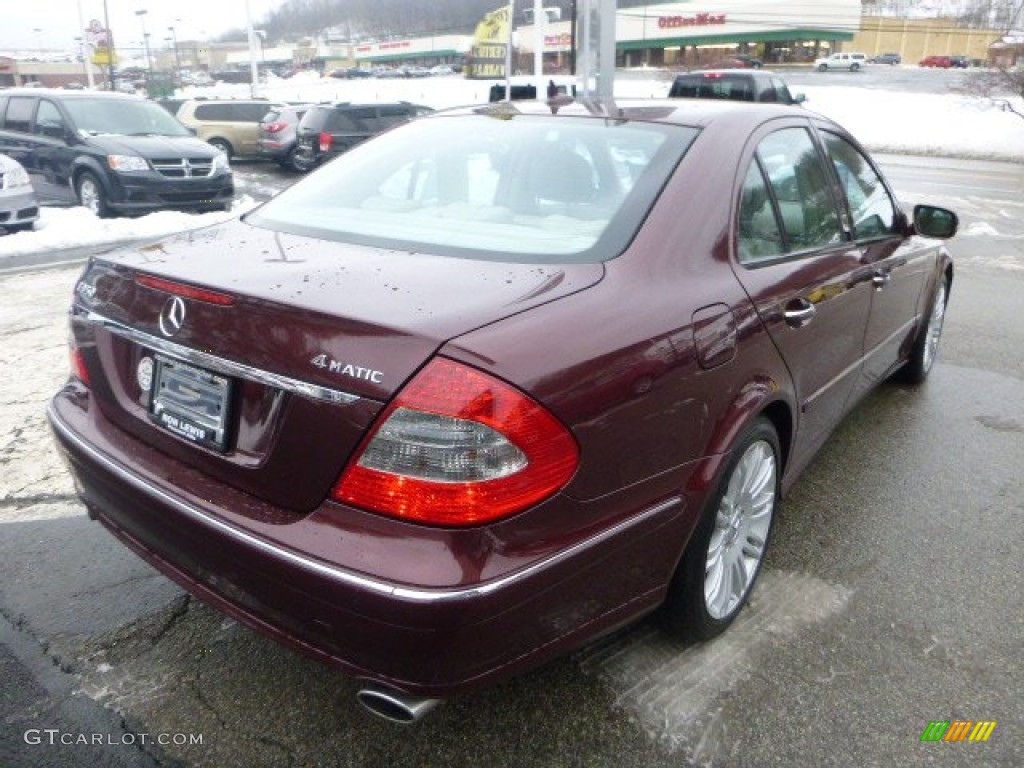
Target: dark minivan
[
  {"x": 734, "y": 85},
  {"x": 327, "y": 130},
  {"x": 111, "y": 152}
]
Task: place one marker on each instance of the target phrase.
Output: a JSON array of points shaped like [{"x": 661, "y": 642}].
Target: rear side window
[
  {"x": 232, "y": 113},
  {"x": 248, "y": 113},
  {"x": 392, "y": 115},
  {"x": 19, "y": 114},
  {"x": 357, "y": 120},
  {"x": 797, "y": 176},
  {"x": 220, "y": 112}
]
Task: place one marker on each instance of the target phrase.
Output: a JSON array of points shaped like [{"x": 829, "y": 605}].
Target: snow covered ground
[{"x": 947, "y": 125}]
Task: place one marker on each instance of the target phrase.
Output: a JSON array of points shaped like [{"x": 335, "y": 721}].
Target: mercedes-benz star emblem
[{"x": 172, "y": 316}]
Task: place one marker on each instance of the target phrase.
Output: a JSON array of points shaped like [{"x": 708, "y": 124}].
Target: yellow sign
[
  {"x": 104, "y": 57},
  {"x": 490, "y": 44}
]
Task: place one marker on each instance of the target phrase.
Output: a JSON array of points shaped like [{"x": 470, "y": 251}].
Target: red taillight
[
  {"x": 325, "y": 142},
  {"x": 78, "y": 369},
  {"x": 185, "y": 290},
  {"x": 459, "y": 447},
  {"x": 275, "y": 127}
]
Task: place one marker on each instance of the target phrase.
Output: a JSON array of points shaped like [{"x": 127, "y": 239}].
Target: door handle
[
  {"x": 798, "y": 312},
  {"x": 881, "y": 278}
]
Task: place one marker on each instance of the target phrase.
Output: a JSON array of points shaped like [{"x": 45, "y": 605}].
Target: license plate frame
[{"x": 191, "y": 403}]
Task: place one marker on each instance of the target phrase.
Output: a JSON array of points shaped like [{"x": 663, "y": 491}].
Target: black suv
[
  {"x": 327, "y": 130},
  {"x": 111, "y": 152},
  {"x": 734, "y": 85}
]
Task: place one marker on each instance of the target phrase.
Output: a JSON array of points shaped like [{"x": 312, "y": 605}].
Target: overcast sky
[{"x": 54, "y": 24}]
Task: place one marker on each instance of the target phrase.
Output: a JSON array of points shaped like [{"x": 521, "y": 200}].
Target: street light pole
[
  {"x": 145, "y": 39},
  {"x": 110, "y": 47},
  {"x": 177, "y": 60}
]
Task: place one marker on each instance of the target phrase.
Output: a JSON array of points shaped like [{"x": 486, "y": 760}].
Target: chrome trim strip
[
  {"x": 218, "y": 364},
  {"x": 903, "y": 330},
  {"x": 809, "y": 402},
  {"x": 348, "y": 578}
]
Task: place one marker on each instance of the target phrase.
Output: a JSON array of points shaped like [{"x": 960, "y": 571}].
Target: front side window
[
  {"x": 872, "y": 209},
  {"x": 797, "y": 176},
  {"x": 507, "y": 188},
  {"x": 49, "y": 121}
]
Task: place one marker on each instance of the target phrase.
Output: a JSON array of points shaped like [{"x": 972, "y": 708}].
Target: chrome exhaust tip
[{"x": 395, "y": 706}]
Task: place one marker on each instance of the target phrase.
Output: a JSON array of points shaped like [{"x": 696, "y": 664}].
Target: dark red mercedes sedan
[{"x": 498, "y": 381}]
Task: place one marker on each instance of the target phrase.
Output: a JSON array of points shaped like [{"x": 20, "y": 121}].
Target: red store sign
[{"x": 699, "y": 20}]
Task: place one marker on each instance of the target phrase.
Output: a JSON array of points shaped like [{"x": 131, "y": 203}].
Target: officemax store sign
[{"x": 727, "y": 21}]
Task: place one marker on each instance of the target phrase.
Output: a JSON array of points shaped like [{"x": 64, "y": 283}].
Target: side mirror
[
  {"x": 799, "y": 98},
  {"x": 933, "y": 221}
]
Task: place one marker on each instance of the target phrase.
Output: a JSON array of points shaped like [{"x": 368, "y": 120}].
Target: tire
[
  {"x": 91, "y": 195},
  {"x": 823, "y": 67},
  {"x": 722, "y": 561},
  {"x": 298, "y": 162},
  {"x": 926, "y": 345},
  {"x": 223, "y": 145},
  {"x": 854, "y": 67}
]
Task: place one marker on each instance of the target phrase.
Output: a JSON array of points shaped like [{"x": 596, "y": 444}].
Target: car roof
[
  {"x": 731, "y": 72},
  {"x": 61, "y": 93},
  {"x": 697, "y": 113}
]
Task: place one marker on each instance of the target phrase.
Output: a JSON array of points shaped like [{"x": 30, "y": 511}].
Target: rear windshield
[
  {"x": 518, "y": 188},
  {"x": 124, "y": 117},
  {"x": 736, "y": 88}
]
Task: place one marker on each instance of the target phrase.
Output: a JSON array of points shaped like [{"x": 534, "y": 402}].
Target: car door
[
  {"x": 52, "y": 156},
  {"x": 16, "y": 133},
  {"x": 803, "y": 274},
  {"x": 899, "y": 270}
]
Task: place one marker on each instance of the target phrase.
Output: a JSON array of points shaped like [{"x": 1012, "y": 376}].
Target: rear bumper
[{"x": 422, "y": 639}]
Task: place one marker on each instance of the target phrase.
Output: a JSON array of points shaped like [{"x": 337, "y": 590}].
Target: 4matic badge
[{"x": 347, "y": 369}]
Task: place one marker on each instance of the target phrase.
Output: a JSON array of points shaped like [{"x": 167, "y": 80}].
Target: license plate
[{"x": 191, "y": 402}]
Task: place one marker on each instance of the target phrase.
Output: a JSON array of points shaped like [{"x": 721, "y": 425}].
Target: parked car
[
  {"x": 230, "y": 125},
  {"x": 887, "y": 58},
  {"x": 849, "y": 61},
  {"x": 110, "y": 152},
  {"x": 18, "y": 207},
  {"x": 327, "y": 130},
  {"x": 442, "y": 69},
  {"x": 762, "y": 86},
  {"x": 279, "y": 136},
  {"x": 739, "y": 61},
  {"x": 523, "y": 87},
  {"x": 961, "y": 62},
  {"x": 939, "y": 62},
  {"x": 394, "y": 417},
  {"x": 349, "y": 73}
]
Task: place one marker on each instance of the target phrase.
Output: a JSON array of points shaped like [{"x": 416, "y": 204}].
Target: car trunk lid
[{"x": 304, "y": 340}]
